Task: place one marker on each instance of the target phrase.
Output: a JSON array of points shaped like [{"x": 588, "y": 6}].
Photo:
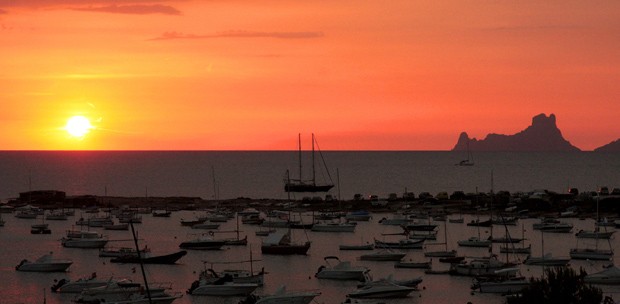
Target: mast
[
  {"x": 146, "y": 284},
  {"x": 313, "y": 171},
  {"x": 299, "y": 145}
]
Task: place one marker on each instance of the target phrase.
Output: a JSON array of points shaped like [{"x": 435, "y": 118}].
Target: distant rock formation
[
  {"x": 613, "y": 146},
  {"x": 542, "y": 135}
]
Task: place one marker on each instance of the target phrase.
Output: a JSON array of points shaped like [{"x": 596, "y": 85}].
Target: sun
[{"x": 78, "y": 126}]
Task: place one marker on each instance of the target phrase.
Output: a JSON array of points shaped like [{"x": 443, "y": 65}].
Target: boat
[
  {"x": 77, "y": 286},
  {"x": 595, "y": 253},
  {"x": 282, "y": 296},
  {"x": 333, "y": 227},
  {"x": 395, "y": 221},
  {"x": 208, "y": 225},
  {"x": 454, "y": 259},
  {"x": 511, "y": 248},
  {"x": 147, "y": 258},
  {"x": 383, "y": 290},
  {"x": 280, "y": 243},
  {"x": 358, "y": 216},
  {"x": 161, "y": 213},
  {"x": 401, "y": 244},
  {"x": 300, "y": 185},
  {"x": 445, "y": 252},
  {"x": 202, "y": 243},
  {"x": 84, "y": 239},
  {"x": 608, "y": 276},
  {"x": 342, "y": 270},
  {"x": 44, "y": 264},
  {"x": 418, "y": 226},
  {"x": 111, "y": 252},
  {"x": 383, "y": 255},
  {"x": 591, "y": 254},
  {"x": 596, "y": 234},
  {"x": 479, "y": 266},
  {"x": 501, "y": 285},
  {"x": 412, "y": 264},
  {"x": 367, "y": 246},
  {"x": 125, "y": 292},
  {"x": 479, "y": 223},
  {"x": 474, "y": 241},
  {"x": 546, "y": 260},
  {"x": 40, "y": 229},
  {"x": 26, "y": 214},
  {"x": 238, "y": 275},
  {"x": 469, "y": 161},
  {"x": 390, "y": 280},
  {"x": 224, "y": 286},
  {"x": 118, "y": 227},
  {"x": 95, "y": 221},
  {"x": 56, "y": 216}
]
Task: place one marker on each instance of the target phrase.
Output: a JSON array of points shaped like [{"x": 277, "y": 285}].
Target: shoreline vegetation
[{"x": 532, "y": 204}]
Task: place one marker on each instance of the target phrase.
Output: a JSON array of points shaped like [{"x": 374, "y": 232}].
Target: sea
[{"x": 260, "y": 174}]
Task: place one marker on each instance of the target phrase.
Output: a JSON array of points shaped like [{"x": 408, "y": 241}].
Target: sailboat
[
  {"x": 442, "y": 253},
  {"x": 300, "y": 185},
  {"x": 593, "y": 253},
  {"x": 470, "y": 159},
  {"x": 545, "y": 259}
]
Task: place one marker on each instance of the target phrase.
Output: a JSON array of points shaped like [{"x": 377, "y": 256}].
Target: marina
[{"x": 293, "y": 271}]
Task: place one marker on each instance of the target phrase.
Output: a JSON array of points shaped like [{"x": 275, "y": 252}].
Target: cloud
[
  {"x": 3, "y": 11},
  {"x": 133, "y": 9},
  {"x": 241, "y": 34}
]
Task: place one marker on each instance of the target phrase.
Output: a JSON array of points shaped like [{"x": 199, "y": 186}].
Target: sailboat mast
[
  {"x": 313, "y": 172},
  {"x": 299, "y": 145}
]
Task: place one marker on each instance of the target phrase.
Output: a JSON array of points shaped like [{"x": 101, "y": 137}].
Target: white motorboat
[
  {"x": 282, "y": 296},
  {"x": 84, "y": 239},
  {"x": 546, "y": 260},
  {"x": 390, "y": 280},
  {"x": 591, "y": 254},
  {"x": 596, "y": 234},
  {"x": 334, "y": 227},
  {"x": 44, "y": 264},
  {"x": 68, "y": 286},
  {"x": 122, "y": 292},
  {"x": 121, "y": 252},
  {"x": 340, "y": 271},
  {"x": 609, "y": 276},
  {"x": 221, "y": 287},
  {"x": 480, "y": 266},
  {"x": 383, "y": 255},
  {"x": 474, "y": 242},
  {"x": 501, "y": 285},
  {"x": 383, "y": 290}
]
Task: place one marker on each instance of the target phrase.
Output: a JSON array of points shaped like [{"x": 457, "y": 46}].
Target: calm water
[
  {"x": 261, "y": 174},
  {"x": 297, "y": 272}
]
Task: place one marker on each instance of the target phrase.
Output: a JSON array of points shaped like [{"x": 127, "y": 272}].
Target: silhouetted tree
[{"x": 561, "y": 285}]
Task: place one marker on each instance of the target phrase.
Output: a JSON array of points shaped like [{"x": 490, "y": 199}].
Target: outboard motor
[
  {"x": 58, "y": 284},
  {"x": 319, "y": 270},
  {"x": 20, "y": 264}
]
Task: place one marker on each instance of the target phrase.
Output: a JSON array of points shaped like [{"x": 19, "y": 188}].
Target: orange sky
[{"x": 251, "y": 75}]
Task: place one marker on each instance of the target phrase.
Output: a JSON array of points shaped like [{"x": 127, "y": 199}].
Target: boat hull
[
  {"x": 162, "y": 259},
  {"x": 286, "y": 249}
]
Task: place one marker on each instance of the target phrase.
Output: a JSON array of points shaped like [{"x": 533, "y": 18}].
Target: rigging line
[{"x": 323, "y": 160}]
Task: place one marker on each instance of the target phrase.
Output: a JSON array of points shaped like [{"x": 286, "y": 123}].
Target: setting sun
[{"x": 78, "y": 126}]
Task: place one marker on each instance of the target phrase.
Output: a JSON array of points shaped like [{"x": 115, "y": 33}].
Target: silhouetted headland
[{"x": 542, "y": 135}]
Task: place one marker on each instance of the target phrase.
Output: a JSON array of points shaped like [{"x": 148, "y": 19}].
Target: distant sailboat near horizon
[
  {"x": 300, "y": 185},
  {"x": 470, "y": 159}
]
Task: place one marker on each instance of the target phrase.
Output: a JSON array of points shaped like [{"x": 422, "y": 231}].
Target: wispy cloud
[
  {"x": 241, "y": 34},
  {"x": 133, "y": 9}
]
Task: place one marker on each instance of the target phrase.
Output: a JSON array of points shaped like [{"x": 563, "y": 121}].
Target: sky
[{"x": 252, "y": 75}]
